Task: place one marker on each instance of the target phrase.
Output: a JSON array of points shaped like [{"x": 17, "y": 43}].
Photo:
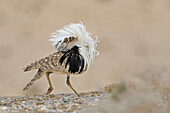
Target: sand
[{"x": 133, "y": 35}]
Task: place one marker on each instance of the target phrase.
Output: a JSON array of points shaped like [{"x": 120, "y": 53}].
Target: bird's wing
[{"x": 49, "y": 62}]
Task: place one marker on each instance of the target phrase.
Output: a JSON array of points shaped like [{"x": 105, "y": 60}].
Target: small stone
[
  {"x": 65, "y": 99},
  {"x": 43, "y": 108},
  {"x": 4, "y": 108},
  {"x": 50, "y": 103}
]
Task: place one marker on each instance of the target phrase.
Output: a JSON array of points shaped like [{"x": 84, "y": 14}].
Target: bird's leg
[
  {"x": 38, "y": 75},
  {"x": 49, "y": 81},
  {"x": 69, "y": 84}
]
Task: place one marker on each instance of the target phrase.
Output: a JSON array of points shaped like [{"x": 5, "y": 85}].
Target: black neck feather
[{"x": 73, "y": 59}]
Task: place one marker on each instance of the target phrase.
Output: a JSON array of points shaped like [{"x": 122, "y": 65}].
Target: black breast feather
[{"x": 74, "y": 60}]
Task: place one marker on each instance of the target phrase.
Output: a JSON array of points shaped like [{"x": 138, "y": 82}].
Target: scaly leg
[
  {"x": 38, "y": 75},
  {"x": 49, "y": 81},
  {"x": 69, "y": 84}
]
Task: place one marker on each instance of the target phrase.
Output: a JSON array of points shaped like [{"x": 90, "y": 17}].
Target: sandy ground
[
  {"x": 53, "y": 103},
  {"x": 133, "y": 34}
]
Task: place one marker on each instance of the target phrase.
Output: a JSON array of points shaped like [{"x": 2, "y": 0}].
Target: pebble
[
  {"x": 51, "y": 103},
  {"x": 4, "y": 108}
]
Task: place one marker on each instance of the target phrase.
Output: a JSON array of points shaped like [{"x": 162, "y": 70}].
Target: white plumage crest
[{"x": 87, "y": 46}]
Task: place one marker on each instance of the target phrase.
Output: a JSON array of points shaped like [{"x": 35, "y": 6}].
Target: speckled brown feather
[
  {"x": 38, "y": 75},
  {"x": 44, "y": 65},
  {"x": 50, "y": 62}
]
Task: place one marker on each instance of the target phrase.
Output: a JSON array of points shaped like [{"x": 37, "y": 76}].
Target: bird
[{"x": 75, "y": 50}]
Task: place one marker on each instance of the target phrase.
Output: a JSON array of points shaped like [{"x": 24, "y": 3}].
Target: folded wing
[{"x": 50, "y": 62}]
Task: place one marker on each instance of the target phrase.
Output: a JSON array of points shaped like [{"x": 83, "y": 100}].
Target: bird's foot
[{"x": 49, "y": 90}]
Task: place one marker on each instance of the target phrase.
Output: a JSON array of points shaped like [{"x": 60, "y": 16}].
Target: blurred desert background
[{"x": 134, "y": 37}]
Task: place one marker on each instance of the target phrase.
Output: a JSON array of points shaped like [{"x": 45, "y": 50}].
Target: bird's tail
[
  {"x": 34, "y": 65},
  {"x": 38, "y": 75}
]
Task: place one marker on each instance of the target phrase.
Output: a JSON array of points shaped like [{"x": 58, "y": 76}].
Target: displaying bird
[{"x": 75, "y": 51}]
